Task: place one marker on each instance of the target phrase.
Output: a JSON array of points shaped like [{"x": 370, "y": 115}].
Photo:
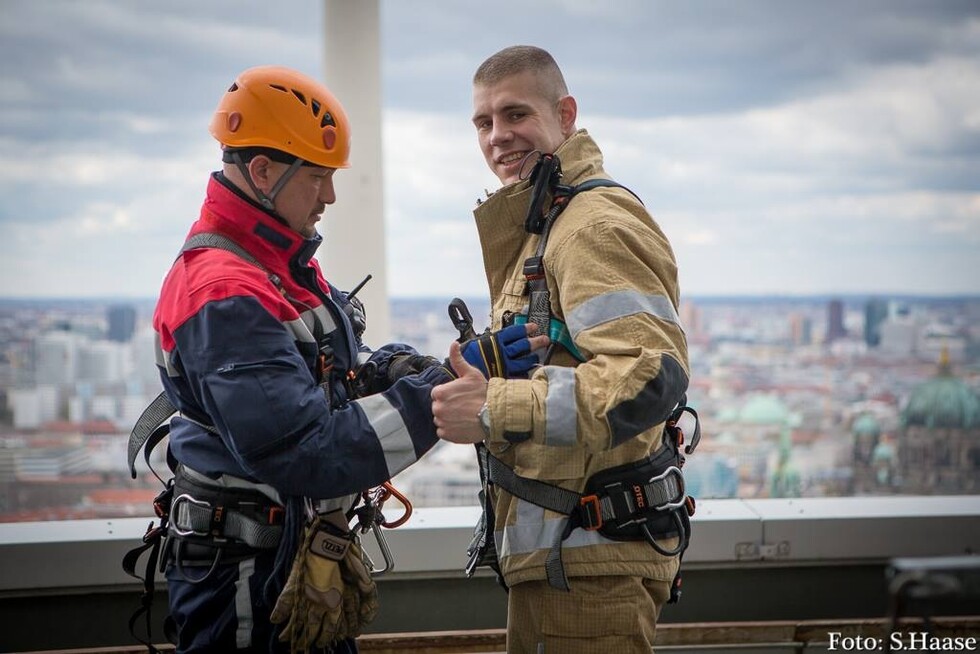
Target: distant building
[
  {"x": 801, "y": 329},
  {"x": 935, "y": 448},
  {"x": 122, "y": 322},
  {"x": 835, "y": 321},
  {"x": 939, "y": 444},
  {"x": 56, "y": 357},
  {"x": 875, "y": 313}
]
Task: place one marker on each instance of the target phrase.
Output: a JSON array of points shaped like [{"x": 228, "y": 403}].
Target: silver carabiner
[
  {"x": 385, "y": 552},
  {"x": 672, "y": 470},
  {"x": 175, "y": 510}
]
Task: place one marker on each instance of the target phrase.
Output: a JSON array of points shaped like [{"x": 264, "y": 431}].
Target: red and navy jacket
[{"x": 238, "y": 350}]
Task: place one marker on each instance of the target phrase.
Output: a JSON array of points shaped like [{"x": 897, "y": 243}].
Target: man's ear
[
  {"x": 260, "y": 169},
  {"x": 567, "y": 113}
]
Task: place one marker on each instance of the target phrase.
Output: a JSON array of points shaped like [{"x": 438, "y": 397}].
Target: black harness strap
[
  {"x": 152, "y": 540},
  {"x": 545, "y": 178},
  {"x": 152, "y": 418}
]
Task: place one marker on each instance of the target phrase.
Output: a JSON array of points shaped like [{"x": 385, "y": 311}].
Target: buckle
[
  {"x": 154, "y": 533},
  {"x": 176, "y": 516},
  {"x": 591, "y": 512},
  {"x": 534, "y": 268},
  {"x": 676, "y": 504},
  {"x": 163, "y": 502}
]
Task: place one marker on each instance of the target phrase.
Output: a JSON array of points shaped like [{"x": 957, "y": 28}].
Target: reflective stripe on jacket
[
  {"x": 240, "y": 353},
  {"x": 613, "y": 279}
]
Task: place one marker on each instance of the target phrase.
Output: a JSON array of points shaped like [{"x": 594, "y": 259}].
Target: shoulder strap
[
  {"x": 204, "y": 240},
  {"x": 539, "y": 303}
]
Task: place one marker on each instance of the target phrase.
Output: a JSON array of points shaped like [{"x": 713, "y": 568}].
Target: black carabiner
[{"x": 462, "y": 320}]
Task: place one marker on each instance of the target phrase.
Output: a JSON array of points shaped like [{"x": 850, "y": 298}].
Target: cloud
[{"x": 800, "y": 148}]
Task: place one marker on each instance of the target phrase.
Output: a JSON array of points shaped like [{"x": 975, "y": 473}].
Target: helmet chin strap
[{"x": 266, "y": 200}]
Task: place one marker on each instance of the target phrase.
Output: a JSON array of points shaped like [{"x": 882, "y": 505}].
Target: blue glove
[{"x": 505, "y": 353}]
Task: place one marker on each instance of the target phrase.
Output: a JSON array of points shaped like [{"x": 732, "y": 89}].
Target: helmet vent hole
[
  {"x": 327, "y": 120},
  {"x": 279, "y": 88},
  {"x": 299, "y": 96},
  {"x": 233, "y": 87},
  {"x": 315, "y": 106}
]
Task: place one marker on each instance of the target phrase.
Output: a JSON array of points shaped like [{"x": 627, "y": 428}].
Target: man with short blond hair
[{"x": 602, "y": 274}]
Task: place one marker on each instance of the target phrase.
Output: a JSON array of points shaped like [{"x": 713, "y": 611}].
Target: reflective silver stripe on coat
[
  {"x": 300, "y": 331},
  {"x": 532, "y": 533},
  {"x": 561, "y": 410},
  {"x": 243, "y": 604},
  {"x": 231, "y": 481},
  {"x": 318, "y": 313},
  {"x": 163, "y": 357},
  {"x": 618, "y": 304},
  {"x": 396, "y": 442}
]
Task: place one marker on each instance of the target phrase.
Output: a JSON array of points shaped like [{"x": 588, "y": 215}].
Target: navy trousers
[{"x": 227, "y": 610}]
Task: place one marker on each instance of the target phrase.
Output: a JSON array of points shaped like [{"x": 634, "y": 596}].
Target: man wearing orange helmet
[{"x": 277, "y": 432}]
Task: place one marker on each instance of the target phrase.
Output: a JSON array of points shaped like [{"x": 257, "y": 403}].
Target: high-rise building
[
  {"x": 122, "y": 322},
  {"x": 835, "y": 321},
  {"x": 875, "y": 313}
]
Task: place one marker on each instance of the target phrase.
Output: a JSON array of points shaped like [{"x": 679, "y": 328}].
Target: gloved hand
[
  {"x": 311, "y": 602},
  {"x": 504, "y": 353},
  {"x": 405, "y": 364},
  {"x": 357, "y": 314}
]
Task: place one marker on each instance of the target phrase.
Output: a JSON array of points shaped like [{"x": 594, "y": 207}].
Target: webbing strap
[
  {"x": 190, "y": 516},
  {"x": 554, "y": 498},
  {"x": 154, "y": 415},
  {"x": 664, "y": 492},
  {"x": 539, "y": 300},
  {"x": 220, "y": 242}
]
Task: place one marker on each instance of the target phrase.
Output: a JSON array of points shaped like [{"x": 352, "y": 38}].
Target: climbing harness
[{"x": 643, "y": 500}]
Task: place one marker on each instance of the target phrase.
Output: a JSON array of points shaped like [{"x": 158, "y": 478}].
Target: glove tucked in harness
[{"x": 329, "y": 595}]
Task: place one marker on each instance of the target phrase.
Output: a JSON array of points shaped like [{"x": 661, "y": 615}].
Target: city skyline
[
  {"x": 784, "y": 149},
  {"x": 801, "y": 398}
]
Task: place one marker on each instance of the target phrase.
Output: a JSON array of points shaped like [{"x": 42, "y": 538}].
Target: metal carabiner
[
  {"x": 385, "y": 552},
  {"x": 462, "y": 320},
  {"x": 175, "y": 515},
  {"x": 669, "y": 506},
  {"x": 387, "y": 491}
]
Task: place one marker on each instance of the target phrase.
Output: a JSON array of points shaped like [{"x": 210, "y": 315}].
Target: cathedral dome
[
  {"x": 866, "y": 425},
  {"x": 943, "y": 402},
  {"x": 764, "y": 410}
]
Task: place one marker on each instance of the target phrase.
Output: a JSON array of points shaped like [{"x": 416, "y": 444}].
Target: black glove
[
  {"x": 402, "y": 365},
  {"x": 357, "y": 314}
]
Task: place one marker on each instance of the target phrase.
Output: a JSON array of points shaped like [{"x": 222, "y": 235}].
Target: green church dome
[
  {"x": 866, "y": 425},
  {"x": 943, "y": 402},
  {"x": 764, "y": 410}
]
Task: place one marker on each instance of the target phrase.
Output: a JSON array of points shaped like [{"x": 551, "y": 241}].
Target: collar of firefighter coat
[{"x": 500, "y": 218}]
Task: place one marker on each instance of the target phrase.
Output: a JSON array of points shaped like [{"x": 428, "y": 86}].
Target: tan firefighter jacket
[{"x": 613, "y": 280}]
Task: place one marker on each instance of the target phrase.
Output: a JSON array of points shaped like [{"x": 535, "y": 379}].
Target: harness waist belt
[
  {"x": 192, "y": 517},
  {"x": 620, "y": 503}
]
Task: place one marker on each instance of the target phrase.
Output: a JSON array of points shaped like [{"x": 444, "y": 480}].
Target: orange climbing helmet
[{"x": 280, "y": 108}]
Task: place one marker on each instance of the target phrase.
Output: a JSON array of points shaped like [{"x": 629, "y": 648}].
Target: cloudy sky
[{"x": 784, "y": 147}]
